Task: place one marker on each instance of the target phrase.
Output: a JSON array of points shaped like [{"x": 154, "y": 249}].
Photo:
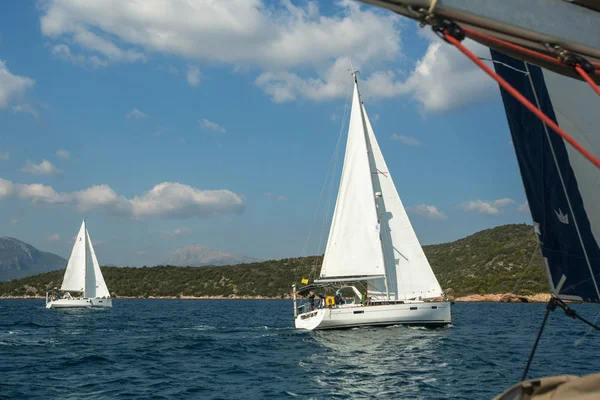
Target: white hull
[
  {"x": 80, "y": 303},
  {"x": 349, "y": 316}
]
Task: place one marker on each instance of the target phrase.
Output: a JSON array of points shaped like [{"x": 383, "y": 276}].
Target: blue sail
[{"x": 562, "y": 188}]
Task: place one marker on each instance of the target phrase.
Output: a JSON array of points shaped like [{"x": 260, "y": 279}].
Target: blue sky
[{"x": 172, "y": 123}]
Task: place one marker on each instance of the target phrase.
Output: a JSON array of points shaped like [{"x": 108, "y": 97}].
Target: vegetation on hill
[{"x": 491, "y": 261}]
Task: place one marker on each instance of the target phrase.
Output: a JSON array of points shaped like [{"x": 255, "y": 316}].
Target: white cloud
[
  {"x": 64, "y": 154},
  {"x": 178, "y": 232},
  {"x": 212, "y": 126},
  {"x": 491, "y": 208},
  {"x": 4, "y": 156},
  {"x": 140, "y": 252},
  {"x": 427, "y": 211},
  {"x": 282, "y": 198},
  {"x": 298, "y": 51},
  {"x": 524, "y": 208},
  {"x": 55, "y": 237},
  {"x": 14, "y": 221},
  {"x": 407, "y": 140},
  {"x": 136, "y": 114},
  {"x": 169, "y": 200},
  {"x": 26, "y": 109},
  {"x": 43, "y": 168},
  {"x": 12, "y": 86},
  {"x": 193, "y": 76}
]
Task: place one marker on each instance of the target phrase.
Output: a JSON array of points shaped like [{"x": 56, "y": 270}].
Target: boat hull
[
  {"x": 80, "y": 303},
  {"x": 350, "y": 316}
]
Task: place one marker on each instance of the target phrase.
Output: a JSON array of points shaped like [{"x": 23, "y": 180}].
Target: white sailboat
[
  {"x": 371, "y": 239},
  {"x": 83, "y": 276}
]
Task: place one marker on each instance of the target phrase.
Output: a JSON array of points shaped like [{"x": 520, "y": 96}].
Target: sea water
[{"x": 249, "y": 349}]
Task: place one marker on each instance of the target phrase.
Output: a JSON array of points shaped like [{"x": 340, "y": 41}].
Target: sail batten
[{"x": 562, "y": 189}]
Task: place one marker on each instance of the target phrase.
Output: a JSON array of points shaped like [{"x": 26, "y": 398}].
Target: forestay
[
  {"x": 353, "y": 246},
  {"x": 563, "y": 189}
]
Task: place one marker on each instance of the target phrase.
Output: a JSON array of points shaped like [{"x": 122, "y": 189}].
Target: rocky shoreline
[{"x": 473, "y": 298}]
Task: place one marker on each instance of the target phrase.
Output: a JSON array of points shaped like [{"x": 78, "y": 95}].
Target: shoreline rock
[{"x": 504, "y": 298}]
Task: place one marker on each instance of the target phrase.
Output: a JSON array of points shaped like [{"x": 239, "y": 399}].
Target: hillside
[
  {"x": 19, "y": 259},
  {"x": 490, "y": 261}
]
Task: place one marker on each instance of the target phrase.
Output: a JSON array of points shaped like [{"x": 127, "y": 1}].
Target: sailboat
[
  {"x": 371, "y": 240},
  {"x": 546, "y": 57},
  {"x": 82, "y": 277}
]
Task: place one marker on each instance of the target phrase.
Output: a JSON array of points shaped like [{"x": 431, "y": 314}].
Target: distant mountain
[
  {"x": 19, "y": 259},
  {"x": 200, "y": 256}
]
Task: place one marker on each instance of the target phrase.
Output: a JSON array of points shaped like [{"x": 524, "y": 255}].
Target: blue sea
[{"x": 249, "y": 349}]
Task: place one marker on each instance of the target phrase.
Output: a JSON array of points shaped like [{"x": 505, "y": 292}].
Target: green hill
[{"x": 490, "y": 261}]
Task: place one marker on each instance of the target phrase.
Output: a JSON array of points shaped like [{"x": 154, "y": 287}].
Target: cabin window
[
  {"x": 359, "y": 312},
  {"x": 413, "y": 308},
  {"x": 434, "y": 307}
]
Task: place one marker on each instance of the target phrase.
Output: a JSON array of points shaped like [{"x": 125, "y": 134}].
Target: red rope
[
  {"x": 506, "y": 86},
  {"x": 524, "y": 50},
  {"x": 587, "y": 78}
]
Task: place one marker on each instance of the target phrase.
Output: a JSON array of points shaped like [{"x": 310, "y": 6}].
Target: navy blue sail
[{"x": 562, "y": 188}]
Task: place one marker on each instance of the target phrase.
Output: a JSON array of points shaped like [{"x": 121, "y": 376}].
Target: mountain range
[
  {"x": 196, "y": 255},
  {"x": 19, "y": 259}
]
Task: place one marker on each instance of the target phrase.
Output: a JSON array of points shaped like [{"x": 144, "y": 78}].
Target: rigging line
[
  {"x": 551, "y": 306},
  {"x": 330, "y": 177},
  {"x": 331, "y": 165},
  {"x": 587, "y": 78},
  {"x": 529, "y": 52},
  {"x": 537, "y": 247},
  {"x": 506, "y": 86},
  {"x": 573, "y": 314},
  {"x": 504, "y": 64},
  {"x": 578, "y": 341}
]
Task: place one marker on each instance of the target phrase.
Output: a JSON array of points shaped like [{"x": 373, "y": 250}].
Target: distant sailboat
[
  {"x": 372, "y": 240},
  {"x": 83, "y": 276}
]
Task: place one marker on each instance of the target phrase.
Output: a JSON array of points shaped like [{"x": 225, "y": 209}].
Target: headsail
[
  {"x": 74, "y": 278},
  {"x": 408, "y": 271},
  {"x": 563, "y": 189},
  {"x": 353, "y": 246}
]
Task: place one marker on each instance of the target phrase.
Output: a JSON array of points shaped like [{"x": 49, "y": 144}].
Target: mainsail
[
  {"x": 563, "y": 188},
  {"x": 408, "y": 271}
]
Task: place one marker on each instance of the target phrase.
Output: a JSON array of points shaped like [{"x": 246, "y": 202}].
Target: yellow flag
[{"x": 304, "y": 281}]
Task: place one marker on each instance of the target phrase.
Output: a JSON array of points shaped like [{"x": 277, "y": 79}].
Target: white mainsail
[
  {"x": 353, "y": 247},
  {"x": 408, "y": 271},
  {"x": 74, "y": 278}
]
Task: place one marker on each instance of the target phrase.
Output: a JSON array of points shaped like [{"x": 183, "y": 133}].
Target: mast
[
  {"x": 85, "y": 257},
  {"x": 380, "y": 208}
]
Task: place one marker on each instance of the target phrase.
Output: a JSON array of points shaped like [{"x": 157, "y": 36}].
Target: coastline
[{"x": 472, "y": 298}]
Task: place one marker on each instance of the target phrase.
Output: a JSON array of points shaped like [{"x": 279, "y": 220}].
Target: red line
[
  {"x": 523, "y": 100},
  {"x": 587, "y": 78}
]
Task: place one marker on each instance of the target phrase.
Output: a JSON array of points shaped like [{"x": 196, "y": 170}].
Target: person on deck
[
  {"x": 365, "y": 300},
  {"x": 311, "y": 300}
]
